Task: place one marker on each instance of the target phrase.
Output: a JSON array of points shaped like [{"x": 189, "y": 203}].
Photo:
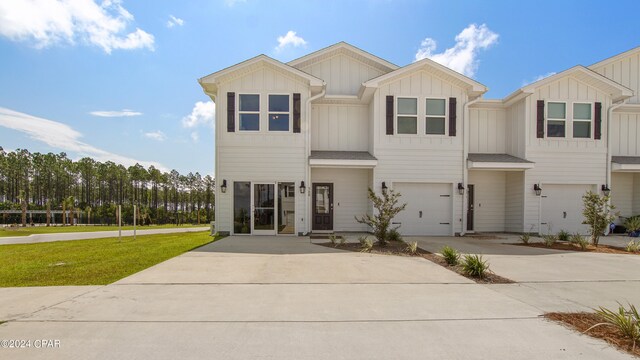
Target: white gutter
[
  {"x": 307, "y": 144},
  {"x": 609, "y": 114},
  {"x": 465, "y": 154}
]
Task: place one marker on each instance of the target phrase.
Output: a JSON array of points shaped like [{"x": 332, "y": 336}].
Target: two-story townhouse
[{"x": 298, "y": 144}]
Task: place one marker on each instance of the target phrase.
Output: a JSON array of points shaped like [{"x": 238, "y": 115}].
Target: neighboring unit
[{"x": 298, "y": 144}]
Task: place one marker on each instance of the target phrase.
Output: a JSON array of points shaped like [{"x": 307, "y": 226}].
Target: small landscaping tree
[
  {"x": 597, "y": 214},
  {"x": 386, "y": 208}
]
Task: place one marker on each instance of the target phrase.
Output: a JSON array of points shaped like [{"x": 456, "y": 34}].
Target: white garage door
[
  {"x": 562, "y": 208},
  {"x": 428, "y": 210}
]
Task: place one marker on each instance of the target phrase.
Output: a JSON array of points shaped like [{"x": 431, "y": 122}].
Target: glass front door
[{"x": 264, "y": 209}]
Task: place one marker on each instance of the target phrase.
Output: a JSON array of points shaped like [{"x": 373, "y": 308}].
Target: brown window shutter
[
  {"x": 296, "y": 113},
  {"x": 597, "y": 128},
  {"x": 452, "y": 116},
  {"x": 540, "y": 120},
  {"x": 231, "y": 112},
  {"x": 389, "y": 114}
]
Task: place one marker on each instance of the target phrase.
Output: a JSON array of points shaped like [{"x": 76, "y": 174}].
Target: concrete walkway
[
  {"x": 286, "y": 298},
  {"x": 40, "y": 238}
]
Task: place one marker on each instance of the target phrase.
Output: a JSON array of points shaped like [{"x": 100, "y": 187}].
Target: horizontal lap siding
[
  {"x": 489, "y": 200},
  {"x": 350, "y": 195},
  {"x": 622, "y": 193},
  {"x": 625, "y": 71},
  {"x": 514, "y": 202},
  {"x": 340, "y": 127},
  {"x": 487, "y": 131}
]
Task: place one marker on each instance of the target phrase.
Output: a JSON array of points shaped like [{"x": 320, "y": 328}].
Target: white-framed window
[
  {"x": 582, "y": 116},
  {"x": 279, "y": 112},
  {"x": 556, "y": 119},
  {"x": 407, "y": 116},
  {"x": 289, "y": 191},
  {"x": 436, "y": 116},
  {"x": 249, "y": 112}
]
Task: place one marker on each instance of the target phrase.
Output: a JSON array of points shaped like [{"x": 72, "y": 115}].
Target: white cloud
[
  {"x": 462, "y": 57},
  {"x": 63, "y": 137},
  {"x": 44, "y": 23},
  {"x": 195, "y": 136},
  {"x": 173, "y": 21},
  {"x": 116, "y": 113},
  {"x": 290, "y": 39},
  {"x": 156, "y": 135},
  {"x": 201, "y": 114},
  {"x": 538, "y": 78}
]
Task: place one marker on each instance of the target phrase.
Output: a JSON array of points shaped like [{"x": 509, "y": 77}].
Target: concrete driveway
[{"x": 285, "y": 298}]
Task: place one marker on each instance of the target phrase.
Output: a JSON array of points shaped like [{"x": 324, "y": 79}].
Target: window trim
[
  {"x": 290, "y": 113},
  {"x": 590, "y": 121},
  {"x": 396, "y": 115},
  {"x": 446, "y": 115},
  {"x": 547, "y": 119},
  {"x": 239, "y": 112}
]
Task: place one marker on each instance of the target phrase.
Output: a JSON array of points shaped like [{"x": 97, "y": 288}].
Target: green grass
[
  {"x": 26, "y": 231},
  {"x": 90, "y": 262}
]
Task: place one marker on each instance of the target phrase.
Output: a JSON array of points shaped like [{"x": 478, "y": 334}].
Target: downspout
[
  {"x": 465, "y": 154},
  {"x": 307, "y": 145},
  {"x": 609, "y": 114}
]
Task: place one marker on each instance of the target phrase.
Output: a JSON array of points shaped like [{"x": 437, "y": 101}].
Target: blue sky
[{"x": 118, "y": 79}]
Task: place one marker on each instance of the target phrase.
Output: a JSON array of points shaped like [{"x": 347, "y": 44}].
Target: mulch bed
[
  {"x": 607, "y": 249},
  {"x": 583, "y": 321},
  {"x": 398, "y": 249}
]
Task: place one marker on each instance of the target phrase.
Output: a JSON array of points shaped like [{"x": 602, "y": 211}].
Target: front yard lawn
[
  {"x": 28, "y": 230},
  {"x": 90, "y": 262}
]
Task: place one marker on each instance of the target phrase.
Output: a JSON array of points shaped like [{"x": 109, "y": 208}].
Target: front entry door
[
  {"x": 322, "y": 207},
  {"x": 470, "y": 207},
  {"x": 264, "y": 212}
]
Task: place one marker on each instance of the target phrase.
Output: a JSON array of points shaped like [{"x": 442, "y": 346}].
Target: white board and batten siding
[
  {"x": 252, "y": 156},
  {"x": 516, "y": 129},
  {"x": 340, "y": 127},
  {"x": 625, "y": 134},
  {"x": 490, "y": 200},
  {"x": 344, "y": 74},
  {"x": 625, "y": 193},
  {"x": 624, "y": 70},
  {"x": 350, "y": 196},
  {"x": 487, "y": 130},
  {"x": 514, "y": 205}
]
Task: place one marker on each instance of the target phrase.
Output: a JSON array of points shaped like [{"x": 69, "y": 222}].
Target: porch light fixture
[
  {"x": 224, "y": 186},
  {"x": 605, "y": 190},
  {"x": 302, "y": 187},
  {"x": 384, "y": 186},
  {"x": 460, "y": 189},
  {"x": 537, "y": 189}
]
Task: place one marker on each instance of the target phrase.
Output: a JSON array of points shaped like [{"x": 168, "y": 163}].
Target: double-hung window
[
  {"x": 582, "y": 120},
  {"x": 556, "y": 119},
  {"x": 249, "y": 112},
  {"x": 407, "y": 116},
  {"x": 435, "y": 119},
  {"x": 278, "y": 112}
]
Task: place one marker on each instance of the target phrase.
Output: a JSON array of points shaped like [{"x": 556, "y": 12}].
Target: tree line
[{"x": 92, "y": 190}]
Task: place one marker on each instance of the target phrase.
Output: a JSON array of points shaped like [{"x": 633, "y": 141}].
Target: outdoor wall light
[
  {"x": 384, "y": 186},
  {"x": 537, "y": 189},
  {"x": 302, "y": 187},
  {"x": 460, "y": 189},
  {"x": 605, "y": 190},
  {"x": 224, "y": 186}
]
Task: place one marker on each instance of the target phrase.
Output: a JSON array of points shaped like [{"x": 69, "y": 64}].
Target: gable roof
[
  {"x": 615, "y": 58},
  {"x": 616, "y": 91},
  {"x": 211, "y": 80},
  {"x": 344, "y": 48},
  {"x": 473, "y": 87}
]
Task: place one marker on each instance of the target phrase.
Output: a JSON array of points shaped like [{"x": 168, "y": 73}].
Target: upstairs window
[
  {"x": 582, "y": 121},
  {"x": 278, "y": 112},
  {"x": 249, "y": 112},
  {"x": 436, "y": 116},
  {"x": 407, "y": 118},
  {"x": 556, "y": 119}
]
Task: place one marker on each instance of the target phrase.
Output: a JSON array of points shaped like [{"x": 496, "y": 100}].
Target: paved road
[
  {"x": 39, "y": 238},
  {"x": 285, "y": 298}
]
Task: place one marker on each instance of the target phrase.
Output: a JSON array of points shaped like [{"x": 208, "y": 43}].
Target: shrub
[
  {"x": 597, "y": 214},
  {"x": 633, "y": 246},
  {"x": 475, "y": 266},
  {"x": 362, "y": 240},
  {"x": 342, "y": 240},
  {"x": 549, "y": 240},
  {"x": 412, "y": 248},
  {"x": 525, "y": 238},
  {"x": 394, "y": 235},
  {"x": 632, "y": 223},
  {"x": 627, "y": 321},
  {"x": 450, "y": 255},
  {"x": 386, "y": 208},
  {"x": 366, "y": 245},
  {"x": 563, "y": 235},
  {"x": 579, "y": 240},
  {"x": 333, "y": 239}
]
